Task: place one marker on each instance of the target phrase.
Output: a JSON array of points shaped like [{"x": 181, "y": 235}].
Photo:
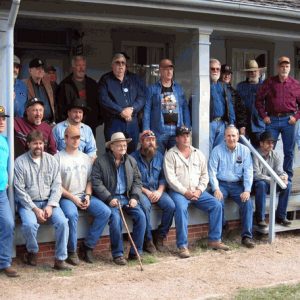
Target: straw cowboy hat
[
  {"x": 252, "y": 65},
  {"x": 117, "y": 137}
]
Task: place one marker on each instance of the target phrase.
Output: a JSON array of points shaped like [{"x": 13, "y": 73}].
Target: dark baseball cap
[
  {"x": 79, "y": 103},
  {"x": 182, "y": 130},
  {"x": 33, "y": 101},
  {"x": 36, "y": 62},
  {"x": 267, "y": 136},
  {"x": 2, "y": 112},
  {"x": 226, "y": 69}
]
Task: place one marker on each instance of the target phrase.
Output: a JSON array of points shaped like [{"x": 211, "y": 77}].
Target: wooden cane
[{"x": 129, "y": 235}]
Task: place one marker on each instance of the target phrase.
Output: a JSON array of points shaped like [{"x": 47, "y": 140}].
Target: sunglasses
[{"x": 215, "y": 69}]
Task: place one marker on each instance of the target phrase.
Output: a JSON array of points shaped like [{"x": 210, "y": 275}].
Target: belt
[
  {"x": 171, "y": 123},
  {"x": 217, "y": 119},
  {"x": 282, "y": 114},
  {"x": 239, "y": 181}
]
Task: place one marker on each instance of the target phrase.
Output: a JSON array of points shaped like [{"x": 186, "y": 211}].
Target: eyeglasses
[
  {"x": 75, "y": 137},
  {"x": 120, "y": 63},
  {"x": 215, "y": 69}
]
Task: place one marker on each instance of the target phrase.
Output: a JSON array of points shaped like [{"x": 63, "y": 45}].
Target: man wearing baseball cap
[
  {"x": 262, "y": 181},
  {"x": 150, "y": 163},
  {"x": 38, "y": 86},
  {"x": 278, "y": 102},
  {"x": 7, "y": 225}
]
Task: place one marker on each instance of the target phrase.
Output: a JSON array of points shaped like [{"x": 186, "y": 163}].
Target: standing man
[
  {"x": 248, "y": 90},
  {"x": 150, "y": 163},
  {"x": 51, "y": 73},
  {"x": 38, "y": 86},
  {"x": 186, "y": 173},
  {"x": 121, "y": 97},
  {"x": 278, "y": 102},
  {"x": 33, "y": 120},
  {"x": 262, "y": 182},
  {"x": 7, "y": 225},
  {"x": 37, "y": 185},
  {"x": 166, "y": 107},
  {"x": 116, "y": 179},
  {"x": 231, "y": 175},
  {"x": 76, "y": 111},
  {"x": 221, "y": 107},
  {"x": 79, "y": 85},
  {"x": 75, "y": 169},
  {"x": 20, "y": 90}
]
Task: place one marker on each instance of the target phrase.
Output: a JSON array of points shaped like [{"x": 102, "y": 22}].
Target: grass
[
  {"x": 286, "y": 292},
  {"x": 147, "y": 259}
]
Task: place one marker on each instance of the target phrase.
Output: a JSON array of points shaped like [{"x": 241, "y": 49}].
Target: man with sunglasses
[
  {"x": 221, "y": 107},
  {"x": 262, "y": 182},
  {"x": 121, "y": 98}
]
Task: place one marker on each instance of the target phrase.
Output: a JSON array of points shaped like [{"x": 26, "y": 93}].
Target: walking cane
[{"x": 129, "y": 235}]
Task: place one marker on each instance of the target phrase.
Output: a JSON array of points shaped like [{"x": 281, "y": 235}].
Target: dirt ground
[{"x": 206, "y": 275}]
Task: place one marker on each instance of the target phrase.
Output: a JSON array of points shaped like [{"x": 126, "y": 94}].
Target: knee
[
  {"x": 30, "y": 226},
  {"x": 8, "y": 225},
  {"x": 72, "y": 216},
  {"x": 260, "y": 185},
  {"x": 115, "y": 218},
  {"x": 62, "y": 222}
]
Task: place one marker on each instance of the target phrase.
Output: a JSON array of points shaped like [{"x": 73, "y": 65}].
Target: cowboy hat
[
  {"x": 117, "y": 137},
  {"x": 252, "y": 65}
]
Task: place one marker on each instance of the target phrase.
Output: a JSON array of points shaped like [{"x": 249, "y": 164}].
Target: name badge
[{"x": 125, "y": 90}]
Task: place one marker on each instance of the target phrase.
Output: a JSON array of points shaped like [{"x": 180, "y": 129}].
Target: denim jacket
[
  {"x": 153, "y": 117},
  {"x": 152, "y": 174},
  {"x": 20, "y": 90}
]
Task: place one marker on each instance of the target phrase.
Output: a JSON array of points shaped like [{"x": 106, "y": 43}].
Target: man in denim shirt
[
  {"x": 166, "y": 107},
  {"x": 150, "y": 163},
  {"x": 231, "y": 175},
  {"x": 20, "y": 90}
]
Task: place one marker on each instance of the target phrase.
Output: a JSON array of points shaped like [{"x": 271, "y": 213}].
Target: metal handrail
[{"x": 275, "y": 179}]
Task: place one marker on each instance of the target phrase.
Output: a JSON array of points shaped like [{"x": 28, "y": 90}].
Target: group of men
[{"x": 167, "y": 170}]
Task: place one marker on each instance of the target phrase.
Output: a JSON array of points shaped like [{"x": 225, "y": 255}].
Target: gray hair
[{"x": 214, "y": 60}]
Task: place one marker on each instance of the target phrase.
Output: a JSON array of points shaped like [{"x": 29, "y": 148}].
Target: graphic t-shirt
[{"x": 169, "y": 106}]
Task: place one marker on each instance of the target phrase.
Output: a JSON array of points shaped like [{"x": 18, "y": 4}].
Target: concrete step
[{"x": 279, "y": 228}]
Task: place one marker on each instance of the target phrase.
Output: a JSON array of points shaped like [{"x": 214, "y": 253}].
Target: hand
[
  {"x": 114, "y": 202},
  {"x": 189, "y": 194},
  {"x": 127, "y": 113},
  {"x": 155, "y": 196},
  {"x": 78, "y": 202},
  {"x": 218, "y": 195},
  {"x": 245, "y": 196},
  {"x": 197, "y": 193},
  {"x": 48, "y": 211},
  {"x": 292, "y": 120},
  {"x": 86, "y": 203},
  {"x": 132, "y": 203},
  {"x": 267, "y": 120},
  {"x": 242, "y": 131},
  {"x": 40, "y": 215},
  {"x": 284, "y": 178}
]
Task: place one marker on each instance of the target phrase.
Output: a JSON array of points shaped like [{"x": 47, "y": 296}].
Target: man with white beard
[
  {"x": 247, "y": 90},
  {"x": 221, "y": 107}
]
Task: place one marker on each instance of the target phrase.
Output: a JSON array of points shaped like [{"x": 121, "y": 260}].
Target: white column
[{"x": 201, "y": 88}]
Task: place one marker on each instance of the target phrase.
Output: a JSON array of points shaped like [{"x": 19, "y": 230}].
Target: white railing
[{"x": 275, "y": 179}]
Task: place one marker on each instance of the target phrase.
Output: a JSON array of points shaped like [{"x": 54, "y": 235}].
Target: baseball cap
[
  {"x": 182, "y": 130},
  {"x": 166, "y": 63},
  {"x": 283, "y": 59},
  {"x": 267, "y": 136},
  {"x": 226, "y": 69},
  {"x": 2, "y": 112},
  {"x": 147, "y": 133},
  {"x": 33, "y": 101},
  {"x": 36, "y": 62}
]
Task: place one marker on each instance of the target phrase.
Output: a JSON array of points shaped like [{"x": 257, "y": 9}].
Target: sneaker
[
  {"x": 262, "y": 224},
  {"x": 216, "y": 245},
  {"x": 283, "y": 222},
  {"x": 184, "y": 252},
  {"x": 72, "y": 259},
  {"x": 10, "y": 272},
  {"x": 120, "y": 260},
  {"x": 149, "y": 247},
  {"x": 159, "y": 244},
  {"x": 30, "y": 258},
  {"x": 247, "y": 242},
  {"x": 60, "y": 265},
  {"x": 87, "y": 254}
]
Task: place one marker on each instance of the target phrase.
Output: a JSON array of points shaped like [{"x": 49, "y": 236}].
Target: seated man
[
  {"x": 116, "y": 179},
  {"x": 186, "y": 173},
  {"x": 7, "y": 225},
  {"x": 76, "y": 112},
  {"x": 262, "y": 182},
  {"x": 37, "y": 185},
  {"x": 75, "y": 169},
  {"x": 150, "y": 163},
  {"x": 231, "y": 175},
  {"x": 33, "y": 120}
]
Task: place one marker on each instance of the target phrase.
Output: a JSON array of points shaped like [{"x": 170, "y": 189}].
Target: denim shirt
[
  {"x": 121, "y": 180},
  {"x": 4, "y": 154},
  {"x": 20, "y": 90},
  {"x": 152, "y": 173},
  {"x": 153, "y": 116},
  {"x": 87, "y": 141},
  {"x": 247, "y": 92}
]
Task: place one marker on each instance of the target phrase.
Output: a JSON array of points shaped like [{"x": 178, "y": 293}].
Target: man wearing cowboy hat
[
  {"x": 278, "y": 102},
  {"x": 247, "y": 90},
  {"x": 76, "y": 111},
  {"x": 7, "y": 225},
  {"x": 262, "y": 181},
  {"x": 117, "y": 179}
]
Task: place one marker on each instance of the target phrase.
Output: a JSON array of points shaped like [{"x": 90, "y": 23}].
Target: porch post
[{"x": 201, "y": 88}]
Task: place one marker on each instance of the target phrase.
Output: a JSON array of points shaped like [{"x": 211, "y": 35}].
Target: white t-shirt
[{"x": 75, "y": 171}]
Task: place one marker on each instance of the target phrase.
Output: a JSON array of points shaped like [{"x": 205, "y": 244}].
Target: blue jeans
[
  {"x": 7, "y": 227},
  {"x": 168, "y": 207},
  {"x": 165, "y": 142},
  {"x": 280, "y": 125},
  {"x": 216, "y": 133},
  {"x": 30, "y": 227},
  {"x": 115, "y": 228},
  {"x": 234, "y": 190},
  {"x": 261, "y": 189},
  {"x": 100, "y": 213},
  {"x": 206, "y": 202}
]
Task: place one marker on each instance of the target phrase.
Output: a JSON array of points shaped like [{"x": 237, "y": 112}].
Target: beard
[
  {"x": 215, "y": 78},
  {"x": 150, "y": 151}
]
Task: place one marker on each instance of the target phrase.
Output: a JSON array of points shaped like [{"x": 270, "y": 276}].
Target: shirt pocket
[
  {"x": 47, "y": 178},
  {"x": 196, "y": 169},
  {"x": 238, "y": 168}
]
